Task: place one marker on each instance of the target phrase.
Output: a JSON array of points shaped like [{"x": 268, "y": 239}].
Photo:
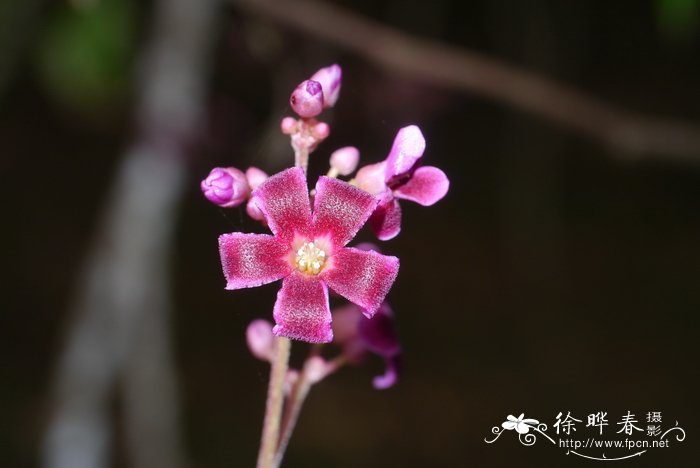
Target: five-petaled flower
[
  {"x": 522, "y": 426},
  {"x": 400, "y": 176},
  {"x": 307, "y": 251}
]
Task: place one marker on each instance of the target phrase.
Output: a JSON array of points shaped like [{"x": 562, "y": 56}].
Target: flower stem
[
  {"x": 291, "y": 414},
  {"x": 301, "y": 158},
  {"x": 273, "y": 409}
]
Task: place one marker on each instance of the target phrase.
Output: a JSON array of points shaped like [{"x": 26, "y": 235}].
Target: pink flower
[
  {"x": 401, "y": 177},
  {"x": 358, "y": 336},
  {"x": 307, "y": 251}
]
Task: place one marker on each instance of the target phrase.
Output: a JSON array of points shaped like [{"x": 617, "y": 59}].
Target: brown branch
[{"x": 635, "y": 135}]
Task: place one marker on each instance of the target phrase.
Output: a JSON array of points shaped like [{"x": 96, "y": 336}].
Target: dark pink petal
[
  {"x": 340, "y": 210},
  {"x": 362, "y": 277},
  {"x": 301, "y": 311},
  {"x": 284, "y": 200},
  {"x": 250, "y": 260},
  {"x": 408, "y": 148},
  {"x": 426, "y": 186},
  {"x": 379, "y": 333},
  {"x": 386, "y": 219}
]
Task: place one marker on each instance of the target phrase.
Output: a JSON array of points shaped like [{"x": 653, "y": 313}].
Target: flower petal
[
  {"x": 301, "y": 311},
  {"x": 340, "y": 210},
  {"x": 509, "y": 425},
  {"x": 408, "y": 148},
  {"x": 522, "y": 428},
  {"x": 426, "y": 186},
  {"x": 391, "y": 374},
  {"x": 362, "y": 277},
  {"x": 379, "y": 333},
  {"x": 386, "y": 219},
  {"x": 250, "y": 260},
  {"x": 284, "y": 200}
]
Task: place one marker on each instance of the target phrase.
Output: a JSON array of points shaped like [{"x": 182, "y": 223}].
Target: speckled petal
[
  {"x": 301, "y": 311},
  {"x": 426, "y": 186},
  {"x": 250, "y": 260},
  {"x": 408, "y": 148},
  {"x": 284, "y": 200},
  {"x": 386, "y": 219},
  {"x": 362, "y": 277},
  {"x": 340, "y": 210}
]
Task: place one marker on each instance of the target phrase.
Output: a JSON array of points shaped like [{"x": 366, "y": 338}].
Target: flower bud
[
  {"x": 253, "y": 211},
  {"x": 261, "y": 341},
  {"x": 344, "y": 160},
  {"x": 330, "y": 79},
  {"x": 255, "y": 177},
  {"x": 288, "y": 125},
  {"x": 226, "y": 187},
  {"x": 307, "y": 99}
]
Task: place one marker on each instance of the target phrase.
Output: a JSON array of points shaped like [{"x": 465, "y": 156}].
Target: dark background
[{"x": 557, "y": 274}]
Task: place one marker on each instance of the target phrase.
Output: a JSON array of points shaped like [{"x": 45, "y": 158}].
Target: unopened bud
[
  {"x": 344, "y": 160},
  {"x": 330, "y": 79},
  {"x": 226, "y": 187},
  {"x": 261, "y": 341},
  {"x": 253, "y": 211},
  {"x": 307, "y": 99},
  {"x": 288, "y": 125},
  {"x": 255, "y": 177}
]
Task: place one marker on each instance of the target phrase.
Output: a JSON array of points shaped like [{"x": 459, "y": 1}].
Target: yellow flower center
[{"x": 310, "y": 259}]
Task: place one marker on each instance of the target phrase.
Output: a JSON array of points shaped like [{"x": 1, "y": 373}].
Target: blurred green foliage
[
  {"x": 84, "y": 55},
  {"x": 678, "y": 19}
]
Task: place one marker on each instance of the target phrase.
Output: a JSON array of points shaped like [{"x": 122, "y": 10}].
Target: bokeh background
[{"x": 560, "y": 273}]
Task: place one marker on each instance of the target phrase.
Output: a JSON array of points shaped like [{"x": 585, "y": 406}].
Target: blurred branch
[
  {"x": 123, "y": 301},
  {"x": 635, "y": 135}
]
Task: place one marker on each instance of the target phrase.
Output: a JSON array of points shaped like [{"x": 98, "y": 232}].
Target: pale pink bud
[
  {"x": 330, "y": 79},
  {"x": 255, "y": 177},
  {"x": 321, "y": 131},
  {"x": 288, "y": 125},
  {"x": 261, "y": 341},
  {"x": 344, "y": 160},
  {"x": 316, "y": 369},
  {"x": 307, "y": 99},
  {"x": 253, "y": 211},
  {"x": 226, "y": 187}
]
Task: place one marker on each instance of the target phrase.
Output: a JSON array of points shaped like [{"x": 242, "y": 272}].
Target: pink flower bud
[
  {"x": 253, "y": 211},
  {"x": 261, "y": 341},
  {"x": 307, "y": 99},
  {"x": 330, "y": 79},
  {"x": 316, "y": 369},
  {"x": 288, "y": 125},
  {"x": 321, "y": 131},
  {"x": 226, "y": 187},
  {"x": 255, "y": 177},
  {"x": 344, "y": 160}
]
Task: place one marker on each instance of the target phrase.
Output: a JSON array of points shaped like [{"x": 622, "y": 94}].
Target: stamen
[{"x": 310, "y": 259}]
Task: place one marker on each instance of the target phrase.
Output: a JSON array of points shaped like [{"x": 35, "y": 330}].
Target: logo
[{"x": 598, "y": 439}]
